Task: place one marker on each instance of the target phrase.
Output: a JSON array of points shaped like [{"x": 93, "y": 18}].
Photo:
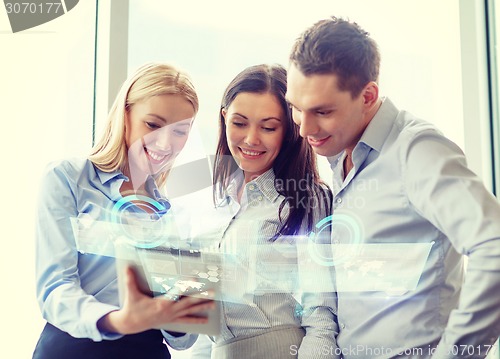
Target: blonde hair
[{"x": 153, "y": 79}]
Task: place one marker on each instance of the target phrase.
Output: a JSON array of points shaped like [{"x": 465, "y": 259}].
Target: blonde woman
[{"x": 147, "y": 127}]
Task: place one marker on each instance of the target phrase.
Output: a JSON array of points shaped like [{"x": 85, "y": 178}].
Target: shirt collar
[
  {"x": 380, "y": 126},
  {"x": 377, "y": 131},
  {"x": 149, "y": 185},
  {"x": 234, "y": 184},
  {"x": 108, "y": 176},
  {"x": 265, "y": 184}
]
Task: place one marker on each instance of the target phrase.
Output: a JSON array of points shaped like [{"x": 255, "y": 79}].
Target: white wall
[{"x": 46, "y": 97}]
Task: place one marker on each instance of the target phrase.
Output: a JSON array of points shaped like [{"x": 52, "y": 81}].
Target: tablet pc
[{"x": 171, "y": 273}]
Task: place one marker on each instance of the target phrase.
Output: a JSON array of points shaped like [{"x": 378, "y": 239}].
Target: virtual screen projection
[
  {"x": 173, "y": 266},
  {"x": 176, "y": 249}
]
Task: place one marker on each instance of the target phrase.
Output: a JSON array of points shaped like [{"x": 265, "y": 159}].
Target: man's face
[{"x": 330, "y": 119}]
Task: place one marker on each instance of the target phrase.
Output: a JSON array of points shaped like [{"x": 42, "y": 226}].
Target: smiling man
[{"x": 402, "y": 184}]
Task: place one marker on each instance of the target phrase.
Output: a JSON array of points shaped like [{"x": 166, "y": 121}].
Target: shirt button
[
  {"x": 251, "y": 187},
  {"x": 260, "y": 198},
  {"x": 338, "y": 200},
  {"x": 342, "y": 325}
]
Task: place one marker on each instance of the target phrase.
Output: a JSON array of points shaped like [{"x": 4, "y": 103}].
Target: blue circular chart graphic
[
  {"x": 340, "y": 221},
  {"x": 120, "y": 214}
]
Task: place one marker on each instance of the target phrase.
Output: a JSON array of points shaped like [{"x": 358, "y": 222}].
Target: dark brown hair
[
  {"x": 339, "y": 47},
  {"x": 296, "y": 173}
]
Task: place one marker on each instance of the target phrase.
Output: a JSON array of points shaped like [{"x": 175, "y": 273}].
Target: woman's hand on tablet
[{"x": 141, "y": 312}]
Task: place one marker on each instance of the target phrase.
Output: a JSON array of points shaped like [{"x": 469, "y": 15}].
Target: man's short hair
[{"x": 337, "y": 46}]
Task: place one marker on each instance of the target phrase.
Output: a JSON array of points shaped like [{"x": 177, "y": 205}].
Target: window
[
  {"x": 421, "y": 50},
  {"x": 493, "y": 20}
]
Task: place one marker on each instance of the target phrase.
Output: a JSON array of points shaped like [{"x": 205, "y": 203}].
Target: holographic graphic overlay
[
  {"x": 391, "y": 268},
  {"x": 388, "y": 268},
  {"x": 172, "y": 272},
  {"x": 272, "y": 269},
  {"x": 343, "y": 227},
  {"x": 129, "y": 223},
  {"x": 357, "y": 266},
  {"x": 100, "y": 237},
  {"x": 94, "y": 237},
  {"x": 146, "y": 231}
]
